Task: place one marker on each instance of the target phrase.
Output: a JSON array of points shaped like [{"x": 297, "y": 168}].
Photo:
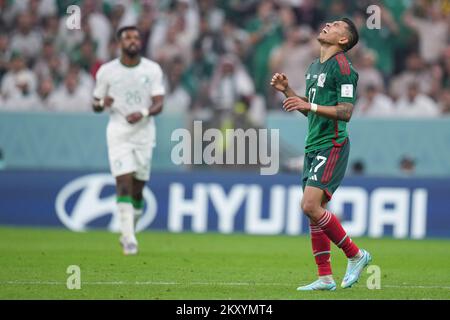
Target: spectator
[
  {"x": 70, "y": 96},
  {"x": 67, "y": 40},
  {"x": 9, "y": 82},
  {"x": 87, "y": 59},
  {"x": 232, "y": 87},
  {"x": 5, "y": 54},
  {"x": 85, "y": 80},
  {"x": 146, "y": 25},
  {"x": 382, "y": 40},
  {"x": 40, "y": 8},
  {"x": 265, "y": 34},
  {"x": 415, "y": 71},
  {"x": 294, "y": 56},
  {"x": 407, "y": 165},
  {"x": 213, "y": 15},
  {"x": 50, "y": 63},
  {"x": 234, "y": 40},
  {"x": 369, "y": 75},
  {"x": 373, "y": 103},
  {"x": 358, "y": 168},
  {"x": 174, "y": 46},
  {"x": 433, "y": 31},
  {"x": 25, "y": 99},
  {"x": 230, "y": 82},
  {"x": 178, "y": 29},
  {"x": 177, "y": 99},
  {"x": 26, "y": 39},
  {"x": 99, "y": 27},
  {"x": 416, "y": 104},
  {"x": 50, "y": 27},
  {"x": 45, "y": 90},
  {"x": 309, "y": 12},
  {"x": 198, "y": 76}
]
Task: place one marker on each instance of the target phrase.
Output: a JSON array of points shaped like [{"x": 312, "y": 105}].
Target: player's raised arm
[{"x": 281, "y": 83}]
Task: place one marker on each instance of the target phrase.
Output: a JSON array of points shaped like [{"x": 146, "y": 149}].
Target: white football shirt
[{"x": 132, "y": 89}]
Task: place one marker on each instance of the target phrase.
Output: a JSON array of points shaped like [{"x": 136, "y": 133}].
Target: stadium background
[{"x": 218, "y": 57}]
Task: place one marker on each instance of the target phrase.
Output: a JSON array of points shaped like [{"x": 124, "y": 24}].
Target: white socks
[
  {"x": 327, "y": 279},
  {"x": 126, "y": 218}
]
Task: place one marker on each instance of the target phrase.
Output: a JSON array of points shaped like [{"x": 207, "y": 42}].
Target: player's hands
[
  {"x": 108, "y": 101},
  {"x": 280, "y": 82},
  {"x": 296, "y": 103},
  {"x": 134, "y": 117}
]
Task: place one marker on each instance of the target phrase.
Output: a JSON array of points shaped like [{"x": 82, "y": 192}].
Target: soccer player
[
  {"x": 131, "y": 88},
  {"x": 330, "y": 96}
]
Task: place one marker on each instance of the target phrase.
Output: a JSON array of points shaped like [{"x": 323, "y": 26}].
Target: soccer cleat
[
  {"x": 128, "y": 247},
  {"x": 319, "y": 284},
  {"x": 355, "y": 268}
]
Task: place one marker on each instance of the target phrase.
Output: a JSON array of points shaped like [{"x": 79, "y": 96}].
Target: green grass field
[{"x": 33, "y": 265}]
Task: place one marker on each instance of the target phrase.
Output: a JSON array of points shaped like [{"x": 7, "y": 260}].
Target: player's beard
[{"x": 132, "y": 53}]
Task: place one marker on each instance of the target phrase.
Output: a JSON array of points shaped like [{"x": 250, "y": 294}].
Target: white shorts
[{"x": 125, "y": 158}]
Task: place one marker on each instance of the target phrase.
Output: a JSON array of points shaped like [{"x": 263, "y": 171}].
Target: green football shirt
[{"x": 328, "y": 84}]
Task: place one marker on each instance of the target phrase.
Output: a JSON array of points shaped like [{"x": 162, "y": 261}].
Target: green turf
[{"x": 33, "y": 265}]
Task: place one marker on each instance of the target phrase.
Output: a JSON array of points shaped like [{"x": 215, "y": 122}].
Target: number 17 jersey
[{"x": 328, "y": 84}]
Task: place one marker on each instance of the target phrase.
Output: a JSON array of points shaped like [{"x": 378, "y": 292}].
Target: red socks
[
  {"x": 321, "y": 250},
  {"x": 331, "y": 226}
]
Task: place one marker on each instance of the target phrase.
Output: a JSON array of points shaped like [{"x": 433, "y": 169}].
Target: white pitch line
[
  {"x": 169, "y": 283},
  {"x": 416, "y": 287}
]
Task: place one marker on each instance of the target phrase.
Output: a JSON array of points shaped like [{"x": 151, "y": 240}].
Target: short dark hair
[
  {"x": 354, "y": 36},
  {"x": 126, "y": 28}
]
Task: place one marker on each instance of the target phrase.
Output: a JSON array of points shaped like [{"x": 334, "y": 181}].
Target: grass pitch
[{"x": 33, "y": 264}]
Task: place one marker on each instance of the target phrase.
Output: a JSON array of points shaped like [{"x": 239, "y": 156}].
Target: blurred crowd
[{"x": 218, "y": 55}]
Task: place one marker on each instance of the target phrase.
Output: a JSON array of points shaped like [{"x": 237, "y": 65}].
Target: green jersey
[{"x": 328, "y": 84}]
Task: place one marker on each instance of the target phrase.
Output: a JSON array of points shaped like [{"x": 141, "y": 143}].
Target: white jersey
[{"x": 132, "y": 89}]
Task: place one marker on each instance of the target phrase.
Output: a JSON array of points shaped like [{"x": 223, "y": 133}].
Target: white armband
[{"x": 313, "y": 107}]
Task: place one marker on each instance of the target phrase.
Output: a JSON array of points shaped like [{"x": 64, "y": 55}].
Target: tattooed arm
[{"x": 343, "y": 111}]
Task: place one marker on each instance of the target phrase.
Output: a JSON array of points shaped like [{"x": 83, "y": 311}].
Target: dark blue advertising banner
[{"x": 226, "y": 202}]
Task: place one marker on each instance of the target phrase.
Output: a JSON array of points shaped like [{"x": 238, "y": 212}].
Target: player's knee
[
  {"x": 309, "y": 207},
  {"x": 124, "y": 189}
]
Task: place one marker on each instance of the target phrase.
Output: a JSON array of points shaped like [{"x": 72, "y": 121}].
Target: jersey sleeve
[
  {"x": 346, "y": 81},
  {"x": 157, "y": 86},
  {"x": 101, "y": 84}
]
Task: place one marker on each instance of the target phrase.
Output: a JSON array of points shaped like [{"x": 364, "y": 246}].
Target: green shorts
[{"x": 325, "y": 168}]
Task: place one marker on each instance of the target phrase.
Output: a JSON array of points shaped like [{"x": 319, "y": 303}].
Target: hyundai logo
[{"x": 89, "y": 206}]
